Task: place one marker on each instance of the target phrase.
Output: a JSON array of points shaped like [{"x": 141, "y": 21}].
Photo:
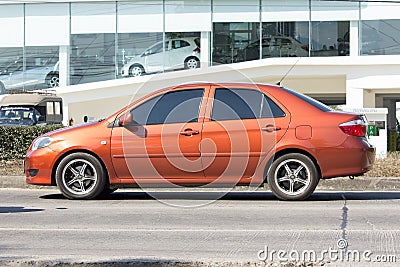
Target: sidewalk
[{"x": 335, "y": 184}]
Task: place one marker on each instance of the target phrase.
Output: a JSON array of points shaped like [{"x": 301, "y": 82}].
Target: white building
[{"x": 342, "y": 52}]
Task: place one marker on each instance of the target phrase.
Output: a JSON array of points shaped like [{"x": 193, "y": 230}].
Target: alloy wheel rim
[
  {"x": 54, "y": 82},
  {"x": 136, "y": 71},
  {"x": 192, "y": 63},
  {"x": 79, "y": 177},
  {"x": 292, "y": 177}
]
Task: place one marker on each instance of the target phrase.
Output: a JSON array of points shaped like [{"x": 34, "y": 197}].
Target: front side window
[
  {"x": 158, "y": 48},
  {"x": 172, "y": 107},
  {"x": 234, "y": 104}
]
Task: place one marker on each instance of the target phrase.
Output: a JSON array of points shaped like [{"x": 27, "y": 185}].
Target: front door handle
[
  {"x": 271, "y": 128},
  {"x": 189, "y": 132}
]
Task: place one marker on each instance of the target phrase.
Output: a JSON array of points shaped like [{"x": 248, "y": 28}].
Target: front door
[
  {"x": 155, "y": 57},
  {"x": 165, "y": 140}
]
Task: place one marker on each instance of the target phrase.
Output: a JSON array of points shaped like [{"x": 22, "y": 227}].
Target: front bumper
[{"x": 38, "y": 166}]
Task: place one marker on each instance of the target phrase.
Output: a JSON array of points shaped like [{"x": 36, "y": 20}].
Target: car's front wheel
[
  {"x": 293, "y": 176},
  {"x": 136, "y": 70},
  {"x": 81, "y": 176}
]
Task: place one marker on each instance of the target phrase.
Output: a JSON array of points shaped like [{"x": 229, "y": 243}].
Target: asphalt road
[{"x": 190, "y": 226}]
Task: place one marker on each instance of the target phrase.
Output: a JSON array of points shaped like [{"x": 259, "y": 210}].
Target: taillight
[
  {"x": 305, "y": 47},
  {"x": 355, "y": 128},
  {"x": 197, "y": 50}
]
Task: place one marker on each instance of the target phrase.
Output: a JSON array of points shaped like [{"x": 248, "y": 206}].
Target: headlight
[{"x": 42, "y": 142}]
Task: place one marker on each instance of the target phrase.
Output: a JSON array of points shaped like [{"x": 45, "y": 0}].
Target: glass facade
[
  {"x": 83, "y": 42},
  {"x": 330, "y": 38},
  {"x": 380, "y": 37}
]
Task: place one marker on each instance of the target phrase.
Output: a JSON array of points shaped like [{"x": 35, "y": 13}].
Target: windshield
[{"x": 10, "y": 116}]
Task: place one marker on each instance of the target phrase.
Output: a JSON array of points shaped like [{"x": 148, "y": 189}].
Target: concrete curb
[{"x": 336, "y": 184}]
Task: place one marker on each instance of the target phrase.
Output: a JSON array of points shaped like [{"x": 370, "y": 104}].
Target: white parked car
[{"x": 179, "y": 53}]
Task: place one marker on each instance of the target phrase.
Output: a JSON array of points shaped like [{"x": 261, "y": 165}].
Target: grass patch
[
  {"x": 387, "y": 167},
  {"x": 12, "y": 167}
]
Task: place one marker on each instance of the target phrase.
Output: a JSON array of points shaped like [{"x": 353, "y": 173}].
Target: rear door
[
  {"x": 180, "y": 50},
  {"x": 244, "y": 125}
]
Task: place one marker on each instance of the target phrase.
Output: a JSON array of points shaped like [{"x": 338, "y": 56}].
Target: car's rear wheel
[
  {"x": 293, "y": 176},
  {"x": 192, "y": 63},
  {"x": 81, "y": 176},
  {"x": 136, "y": 70}
]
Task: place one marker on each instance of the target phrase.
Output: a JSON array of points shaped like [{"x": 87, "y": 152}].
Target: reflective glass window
[
  {"x": 330, "y": 38},
  {"x": 380, "y": 37}
]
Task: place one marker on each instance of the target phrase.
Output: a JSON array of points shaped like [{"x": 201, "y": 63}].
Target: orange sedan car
[{"x": 206, "y": 134}]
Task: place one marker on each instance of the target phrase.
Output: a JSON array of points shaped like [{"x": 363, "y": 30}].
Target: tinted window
[
  {"x": 179, "y": 44},
  {"x": 197, "y": 41},
  {"x": 309, "y": 100},
  {"x": 172, "y": 107},
  {"x": 233, "y": 104}
]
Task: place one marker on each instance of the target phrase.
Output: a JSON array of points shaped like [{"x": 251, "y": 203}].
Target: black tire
[
  {"x": 192, "y": 63},
  {"x": 293, "y": 176},
  {"x": 53, "y": 81},
  {"x": 81, "y": 176},
  {"x": 136, "y": 70}
]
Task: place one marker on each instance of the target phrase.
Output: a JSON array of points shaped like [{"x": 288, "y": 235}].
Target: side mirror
[{"x": 126, "y": 120}]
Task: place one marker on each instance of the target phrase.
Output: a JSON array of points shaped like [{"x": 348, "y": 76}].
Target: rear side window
[
  {"x": 309, "y": 100},
  {"x": 235, "y": 104},
  {"x": 179, "y": 44},
  {"x": 172, "y": 107}
]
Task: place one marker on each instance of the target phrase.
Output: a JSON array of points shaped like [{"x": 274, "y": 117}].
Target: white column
[
  {"x": 354, "y": 94},
  {"x": 64, "y": 65},
  {"x": 205, "y": 49},
  {"x": 354, "y": 38},
  {"x": 65, "y": 112}
]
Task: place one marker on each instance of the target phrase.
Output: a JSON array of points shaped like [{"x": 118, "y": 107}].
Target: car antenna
[{"x": 286, "y": 74}]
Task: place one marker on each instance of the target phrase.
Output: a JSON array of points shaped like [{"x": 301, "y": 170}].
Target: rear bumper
[{"x": 355, "y": 157}]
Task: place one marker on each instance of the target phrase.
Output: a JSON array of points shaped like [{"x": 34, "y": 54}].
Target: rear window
[
  {"x": 197, "y": 42},
  {"x": 309, "y": 100}
]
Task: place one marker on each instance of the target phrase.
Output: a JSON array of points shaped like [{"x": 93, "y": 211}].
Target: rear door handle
[
  {"x": 271, "y": 128},
  {"x": 189, "y": 132}
]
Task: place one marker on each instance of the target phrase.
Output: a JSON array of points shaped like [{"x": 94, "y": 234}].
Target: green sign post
[{"x": 372, "y": 130}]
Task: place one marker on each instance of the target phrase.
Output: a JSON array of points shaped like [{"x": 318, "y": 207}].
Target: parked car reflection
[
  {"x": 276, "y": 46},
  {"x": 178, "y": 53},
  {"x": 38, "y": 74}
]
